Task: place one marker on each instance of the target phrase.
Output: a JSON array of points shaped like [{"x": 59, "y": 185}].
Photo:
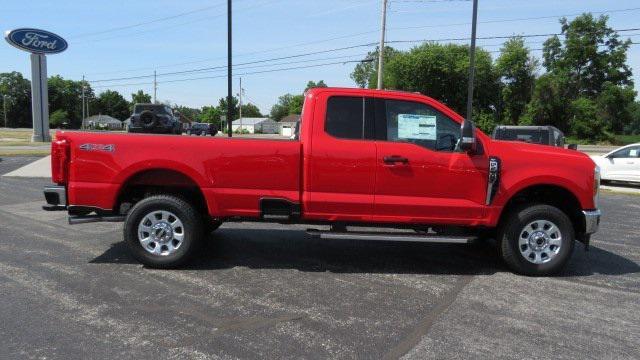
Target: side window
[
  {"x": 630, "y": 152},
  {"x": 349, "y": 117},
  {"x": 414, "y": 122}
]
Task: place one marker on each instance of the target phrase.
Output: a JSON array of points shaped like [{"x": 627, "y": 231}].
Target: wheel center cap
[
  {"x": 162, "y": 232},
  {"x": 538, "y": 240}
]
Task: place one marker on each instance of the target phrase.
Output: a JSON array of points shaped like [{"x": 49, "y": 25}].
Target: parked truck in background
[{"x": 378, "y": 159}]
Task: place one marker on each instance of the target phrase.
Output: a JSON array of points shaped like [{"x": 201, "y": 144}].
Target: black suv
[
  {"x": 154, "y": 119},
  {"x": 202, "y": 129}
]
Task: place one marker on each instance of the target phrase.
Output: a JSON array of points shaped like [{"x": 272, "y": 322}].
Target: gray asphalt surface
[{"x": 266, "y": 291}]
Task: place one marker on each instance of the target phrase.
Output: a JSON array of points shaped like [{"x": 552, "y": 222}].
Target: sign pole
[
  {"x": 472, "y": 60},
  {"x": 40, "y": 98}
]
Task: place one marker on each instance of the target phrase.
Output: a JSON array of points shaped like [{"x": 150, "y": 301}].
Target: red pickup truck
[{"x": 400, "y": 164}]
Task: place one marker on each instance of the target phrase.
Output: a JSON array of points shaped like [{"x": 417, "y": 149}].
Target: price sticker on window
[{"x": 417, "y": 127}]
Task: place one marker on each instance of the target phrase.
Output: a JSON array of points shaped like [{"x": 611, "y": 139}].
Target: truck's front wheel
[
  {"x": 536, "y": 240},
  {"x": 163, "y": 231}
]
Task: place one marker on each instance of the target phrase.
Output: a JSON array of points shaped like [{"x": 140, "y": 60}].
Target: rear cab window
[{"x": 350, "y": 117}]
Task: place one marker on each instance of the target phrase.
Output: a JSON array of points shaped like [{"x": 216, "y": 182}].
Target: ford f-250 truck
[{"x": 383, "y": 160}]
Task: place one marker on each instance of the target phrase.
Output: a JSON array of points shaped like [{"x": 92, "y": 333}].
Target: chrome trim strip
[{"x": 591, "y": 220}]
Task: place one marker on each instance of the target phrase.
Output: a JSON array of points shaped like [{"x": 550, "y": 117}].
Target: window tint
[
  {"x": 345, "y": 117},
  {"x": 420, "y": 124}
]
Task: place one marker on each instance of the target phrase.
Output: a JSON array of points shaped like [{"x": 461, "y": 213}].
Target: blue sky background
[{"x": 264, "y": 29}]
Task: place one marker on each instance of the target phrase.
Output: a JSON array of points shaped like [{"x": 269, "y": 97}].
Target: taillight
[{"x": 59, "y": 161}]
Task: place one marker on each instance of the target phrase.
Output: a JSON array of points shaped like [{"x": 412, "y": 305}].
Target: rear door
[
  {"x": 420, "y": 177},
  {"x": 342, "y": 163}
]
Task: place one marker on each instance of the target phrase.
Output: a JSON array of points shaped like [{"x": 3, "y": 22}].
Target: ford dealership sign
[{"x": 36, "y": 41}]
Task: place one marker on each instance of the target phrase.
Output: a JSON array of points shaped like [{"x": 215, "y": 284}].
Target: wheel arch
[{"x": 550, "y": 194}]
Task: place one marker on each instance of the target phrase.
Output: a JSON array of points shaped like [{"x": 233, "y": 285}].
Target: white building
[{"x": 255, "y": 125}]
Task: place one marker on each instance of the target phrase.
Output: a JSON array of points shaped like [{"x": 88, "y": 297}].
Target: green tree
[
  {"x": 616, "y": 106},
  {"x": 222, "y": 106},
  {"x": 111, "y": 103},
  {"x": 312, "y": 84},
  {"x": 516, "y": 67},
  {"x": 295, "y": 106},
  {"x": 250, "y": 110},
  {"x": 210, "y": 114},
  {"x": 140, "y": 97},
  {"x": 442, "y": 72},
  {"x": 586, "y": 124},
  {"x": 365, "y": 74},
  {"x": 67, "y": 95},
  {"x": 548, "y": 105},
  {"x": 281, "y": 108},
  {"x": 57, "y": 118},
  {"x": 187, "y": 112},
  {"x": 17, "y": 89}
]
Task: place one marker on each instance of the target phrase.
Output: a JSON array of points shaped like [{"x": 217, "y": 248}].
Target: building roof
[
  {"x": 250, "y": 121},
  {"x": 291, "y": 118},
  {"x": 102, "y": 119}
]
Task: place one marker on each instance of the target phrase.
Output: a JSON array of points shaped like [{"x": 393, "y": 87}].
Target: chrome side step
[{"x": 381, "y": 236}]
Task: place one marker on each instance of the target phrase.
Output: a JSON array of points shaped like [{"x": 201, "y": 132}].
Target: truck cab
[{"x": 385, "y": 160}]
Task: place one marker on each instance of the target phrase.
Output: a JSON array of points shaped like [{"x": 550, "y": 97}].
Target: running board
[
  {"x": 73, "y": 220},
  {"x": 380, "y": 236}
]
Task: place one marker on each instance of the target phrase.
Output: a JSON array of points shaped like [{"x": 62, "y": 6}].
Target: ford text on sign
[{"x": 36, "y": 41}]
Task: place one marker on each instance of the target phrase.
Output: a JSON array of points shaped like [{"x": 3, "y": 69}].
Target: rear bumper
[
  {"x": 56, "y": 197},
  {"x": 591, "y": 221}
]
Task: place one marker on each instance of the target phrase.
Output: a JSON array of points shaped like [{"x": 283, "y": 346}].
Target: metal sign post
[{"x": 38, "y": 43}]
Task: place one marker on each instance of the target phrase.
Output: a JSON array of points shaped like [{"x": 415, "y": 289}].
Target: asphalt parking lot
[{"x": 265, "y": 291}]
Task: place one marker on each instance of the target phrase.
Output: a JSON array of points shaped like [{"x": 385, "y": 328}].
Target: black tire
[
  {"x": 148, "y": 119},
  {"x": 185, "y": 212},
  {"x": 512, "y": 228}
]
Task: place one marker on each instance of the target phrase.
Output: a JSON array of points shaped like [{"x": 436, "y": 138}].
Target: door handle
[{"x": 394, "y": 159}]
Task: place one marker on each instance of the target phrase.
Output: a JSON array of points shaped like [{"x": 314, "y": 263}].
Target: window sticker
[
  {"x": 633, "y": 153},
  {"x": 417, "y": 127}
]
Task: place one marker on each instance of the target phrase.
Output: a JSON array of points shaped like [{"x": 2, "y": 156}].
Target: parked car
[
  {"x": 154, "y": 119},
  {"x": 621, "y": 164},
  {"x": 202, "y": 129},
  {"x": 373, "y": 158},
  {"x": 544, "y": 135}
]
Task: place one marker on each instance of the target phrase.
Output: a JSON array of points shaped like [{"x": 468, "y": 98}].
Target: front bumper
[
  {"x": 56, "y": 197},
  {"x": 591, "y": 221}
]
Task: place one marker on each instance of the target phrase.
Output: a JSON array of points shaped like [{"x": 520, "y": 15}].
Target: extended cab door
[
  {"x": 340, "y": 168},
  {"x": 420, "y": 176}
]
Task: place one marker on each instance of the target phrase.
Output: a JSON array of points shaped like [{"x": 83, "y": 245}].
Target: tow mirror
[{"x": 468, "y": 136}]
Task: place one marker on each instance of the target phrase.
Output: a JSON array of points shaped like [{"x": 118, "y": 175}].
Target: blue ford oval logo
[{"x": 36, "y": 41}]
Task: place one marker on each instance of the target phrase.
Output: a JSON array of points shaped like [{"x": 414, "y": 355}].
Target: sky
[{"x": 118, "y": 39}]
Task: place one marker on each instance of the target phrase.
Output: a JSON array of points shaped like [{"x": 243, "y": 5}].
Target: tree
[
  {"x": 67, "y": 95},
  {"x": 442, "y": 72},
  {"x": 250, "y": 110},
  {"x": 18, "y": 92},
  {"x": 210, "y": 114},
  {"x": 140, "y": 97},
  {"x": 222, "y": 106},
  {"x": 187, "y": 112},
  {"x": 585, "y": 123},
  {"x": 111, "y": 103},
  {"x": 616, "y": 106},
  {"x": 57, "y": 118},
  {"x": 516, "y": 68},
  {"x": 312, "y": 84},
  {"x": 365, "y": 74},
  {"x": 281, "y": 108}
]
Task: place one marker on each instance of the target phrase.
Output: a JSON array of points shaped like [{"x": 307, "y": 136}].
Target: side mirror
[
  {"x": 572, "y": 147},
  {"x": 468, "y": 136}
]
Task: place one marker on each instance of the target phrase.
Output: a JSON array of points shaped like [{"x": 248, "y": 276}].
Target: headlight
[{"x": 596, "y": 185}]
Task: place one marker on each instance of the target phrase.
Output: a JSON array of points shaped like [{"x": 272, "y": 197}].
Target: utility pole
[
  {"x": 381, "y": 48},
  {"x": 83, "y": 114},
  {"x": 229, "y": 85},
  {"x": 240, "y": 104},
  {"x": 472, "y": 59},
  {"x": 155, "y": 87}
]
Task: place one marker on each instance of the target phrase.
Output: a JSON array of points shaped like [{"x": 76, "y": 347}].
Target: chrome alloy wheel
[
  {"x": 161, "y": 232},
  {"x": 540, "y": 241}
]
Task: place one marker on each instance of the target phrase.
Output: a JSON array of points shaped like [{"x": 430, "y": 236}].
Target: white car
[{"x": 622, "y": 164}]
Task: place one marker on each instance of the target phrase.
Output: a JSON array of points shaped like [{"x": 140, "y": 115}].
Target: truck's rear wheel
[
  {"x": 536, "y": 240},
  {"x": 163, "y": 231}
]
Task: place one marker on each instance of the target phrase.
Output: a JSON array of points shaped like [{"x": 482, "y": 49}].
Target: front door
[{"x": 420, "y": 176}]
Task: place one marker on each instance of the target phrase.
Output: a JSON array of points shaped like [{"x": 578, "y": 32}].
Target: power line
[
  {"x": 334, "y": 50},
  {"x": 369, "y": 32}
]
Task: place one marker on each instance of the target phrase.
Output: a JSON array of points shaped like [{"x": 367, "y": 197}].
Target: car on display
[
  {"x": 544, "y": 135},
  {"x": 622, "y": 164},
  {"x": 154, "y": 119},
  {"x": 202, "y": 129},
  {"x": 382, "y": 160}
]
